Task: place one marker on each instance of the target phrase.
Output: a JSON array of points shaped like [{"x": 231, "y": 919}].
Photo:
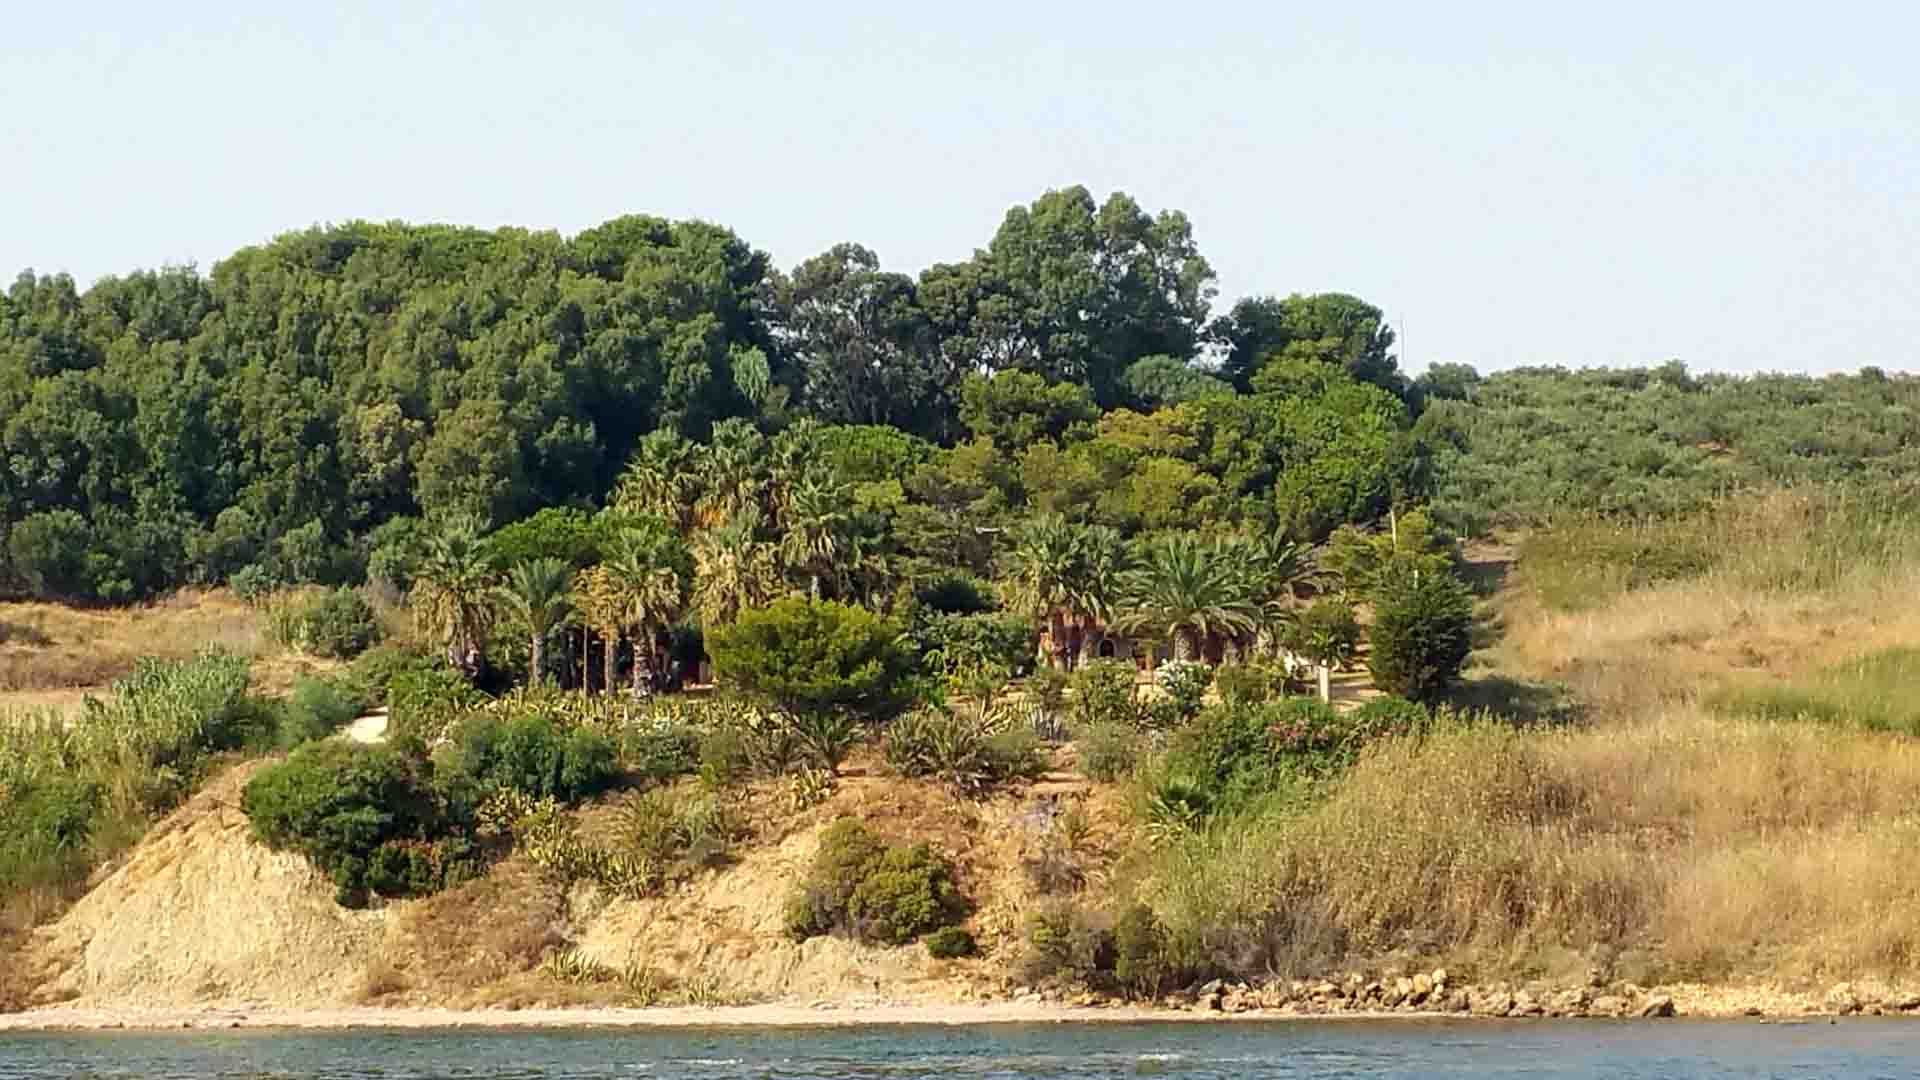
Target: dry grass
[
  {"x": 450, "y": 945},
  {"x": 1664, "y": 838},
  {"x": 48, "y": 647}
]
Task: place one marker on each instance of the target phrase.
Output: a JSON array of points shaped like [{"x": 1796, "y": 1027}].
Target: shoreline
[{"x": 208, "y": 1018}]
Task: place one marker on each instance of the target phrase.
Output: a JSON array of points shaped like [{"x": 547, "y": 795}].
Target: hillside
[{"x": 1697, "y": 777}]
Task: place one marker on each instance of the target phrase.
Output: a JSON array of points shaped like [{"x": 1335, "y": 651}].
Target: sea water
[{"x": 1670, "y": 1050}]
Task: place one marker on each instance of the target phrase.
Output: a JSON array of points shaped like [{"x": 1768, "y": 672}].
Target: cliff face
[{"x": 200, "y": 914}]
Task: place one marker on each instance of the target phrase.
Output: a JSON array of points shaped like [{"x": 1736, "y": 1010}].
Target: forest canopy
[{"x": 318, "y": 399}]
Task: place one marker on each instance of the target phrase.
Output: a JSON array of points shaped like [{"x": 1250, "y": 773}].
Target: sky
[{"x": 1734, "y": 186}]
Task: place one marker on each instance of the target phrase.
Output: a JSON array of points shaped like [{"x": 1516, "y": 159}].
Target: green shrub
[
  {"x": 972, "y": 750},
  {"x": 424, "y": 703},
  {"x": 1140, "y": 963},
  {"x": 1065, "y": 943},
  {"x": 951, "y": 943},
  {"x": 337, "y": 803},
  {"x": 337, "y": 623},
  {"x": 956, "y": 593},
  {"x": 317, "y": 708},
  {"x": 861, "y": 887},
  {"x": 253, "y": 583},
  {"x": 812, "y": 657},
  {"x": 906, "y": 892},
  {"x": 1249, "y": 683},
  {"x": 1387, "y": 717},
  {"x": 378, "y": 667},
  {"x": 657, "y": 755},
  {"x": 1422, "y": 633},
  {"x": 961, "y": 641},
  {"x": 1103, "y": 694},
  {"x": 1326, "y": 633},
  {"x": 46, "y": 829},
  {"x": 1185, "y": 683},
  {"x": 1108, "y": 752},
  {"x": 531, "y": 754}
]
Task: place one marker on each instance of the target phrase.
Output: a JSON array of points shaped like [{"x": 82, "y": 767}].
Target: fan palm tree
[
  {"x": 1099, "y": 572},
  {"x": 1041, "y": 577},
  {"x": 817, "y": 521},
  {"x": 652, "y": 590},
  {"x": 1276, "y": 571},
  {"x": 735, "y": 470},
  {"x": 662, "y": 478},
  {"x": 535, "y": 596},
  {"x": 1189, "y": 591},
  {"x": 452, "y": 593},
  {"x": 733, "y": 568},
  {"x": 597, "y": 596}
]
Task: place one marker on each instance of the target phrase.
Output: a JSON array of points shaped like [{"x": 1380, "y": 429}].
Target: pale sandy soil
[{"x": 823, "y": 1015}]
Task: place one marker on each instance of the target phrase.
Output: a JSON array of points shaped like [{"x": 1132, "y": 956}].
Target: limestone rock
[{"x": 1659, "y": 1005}]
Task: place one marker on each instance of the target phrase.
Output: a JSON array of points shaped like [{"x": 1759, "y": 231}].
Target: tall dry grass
[
  {"x": 49, "y": 647},
  {"x": 1669, "y": 836}
]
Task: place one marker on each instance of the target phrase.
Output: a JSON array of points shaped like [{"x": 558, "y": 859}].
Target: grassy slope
[{"x": 1668, "y": 835}]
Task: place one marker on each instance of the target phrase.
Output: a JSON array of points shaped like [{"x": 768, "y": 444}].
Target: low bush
[
  {"x": 318, "y": 707},
  {"x": 1066, "y": 943},
  {"x": 1108, "y": 752},
  {"x": 861, "y": 887},
  {"x": 336, "y": 623},
  {"x": 951, "y": 943},
  {"x": 380, "y": 666},
  {"x": 338, "y": 804},
  {"x": 1250, "y": 682},
  {"x": 951, "y": 642},
  {"x": 971, "y": 750},
  {"x": 1140, "y": 962},
  {"x": 1185, "y": 684},
  {"x": 1103, "y": 693},
  {"x": 424, "y": 704},
  {"x": 531, "y": 754}
]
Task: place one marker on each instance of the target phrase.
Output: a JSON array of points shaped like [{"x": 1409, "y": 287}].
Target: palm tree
[
  {"x": 1189, "y": 591},
  {"x": 535, "y": 597},
  {"x": 662, "y": 478},
  {"x": 735, "y": 466},
  {"x": 1099, "y": 572},
  {"x": 597, "y": 596},
  {"x": 817, "y": 520},
  {"x": 653, "y": 593},
  {"x": 733, "y": 568},
  {"x": 451, "y": 593},
  {"x": 1276, "y": 571},
  {"x": 1042, "y": 577}
]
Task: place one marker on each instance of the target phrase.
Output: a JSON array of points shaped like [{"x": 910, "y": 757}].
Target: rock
[
  {"x": 1213, "y": 987},
  {"x": 1659, "y": 1005},
  {"x": 1572, "y": 1002},
  {"x": 1843, "y": 1000},
  {"x": 1752, "y": 1010},
  {"x": 1373, "y": 991},
  {"x": 1595, "y": 979},
  {"x": 1492, "y": 1003},
  {"x": 1904, "y": 1001},
  {"x": 1525, "y": 1004},
  {"x": 1326, "y": 990},
  {"x": 1459, "y": 1001},
  {"x": 1422, "y": 986},
  {"x": 1608, "y": 1005}
]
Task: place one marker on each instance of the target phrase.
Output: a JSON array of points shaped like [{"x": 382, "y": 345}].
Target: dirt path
[{"x": 371, "y": 728}]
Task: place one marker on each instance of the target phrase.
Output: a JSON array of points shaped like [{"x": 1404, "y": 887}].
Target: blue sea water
[{"x": 1255, "y": 1051}]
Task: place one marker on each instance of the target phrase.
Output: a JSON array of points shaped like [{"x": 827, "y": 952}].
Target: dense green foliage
[
  {"x": 1422, "y": 632},
  {"x": 296, "y": 413},
  {"x": 533, "y": 754},
  {"x": 363, "y": 814},
  {"x": 862, "y": 887},
  {"x": 336, "y": 623},
  {"x": 813, "y": 656},
  {"x": 1528, "y": 445}
]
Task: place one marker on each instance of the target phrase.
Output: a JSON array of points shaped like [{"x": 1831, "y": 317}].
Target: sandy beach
[{"x": 835, "y": 1015}]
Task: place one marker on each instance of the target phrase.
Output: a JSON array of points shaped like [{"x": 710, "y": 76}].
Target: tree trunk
[
  {"x": 1326, "y": 683},
  {"x": 612, "y": 644},
  {"x": 1186, "y": 644},
  {"x": 642, "y": 663},
  {"x": 536, "y": 668},
  {"x": 1057, "y": 635}
]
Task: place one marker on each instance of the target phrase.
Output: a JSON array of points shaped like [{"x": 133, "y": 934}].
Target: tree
[
  {"x": 1043, "y": 572},
  {"x": 602, "y": 603},
  {"x": 809, "y": 656},
  {"x": 860, "y": 342},
  {"x": 535, "y": 597},
  {"x": 733, "y": 568},
  {"x": 650, "y": 579},
  {"x": 1326, "y": 328},
  {"x": 661, "y": 479},
  {"x": 1422, "y": 631},
  {"x": 1190, "y": 591},
  {"x": 818, "y": 520},
  {"x": 452, "y": 593}
]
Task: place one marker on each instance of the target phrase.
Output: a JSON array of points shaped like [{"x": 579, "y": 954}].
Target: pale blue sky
[{"x": 1735, "y": 185}]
